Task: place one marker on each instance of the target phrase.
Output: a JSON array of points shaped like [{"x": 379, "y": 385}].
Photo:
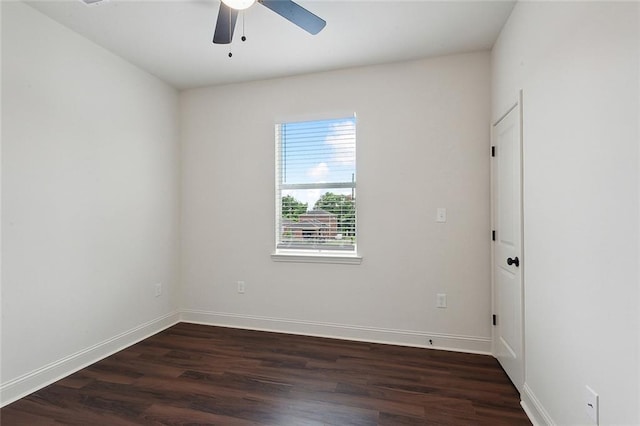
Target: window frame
[{"x": 312, "y": 254}]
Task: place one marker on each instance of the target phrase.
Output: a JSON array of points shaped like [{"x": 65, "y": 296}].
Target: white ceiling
[{"x": 172, "y": 38}]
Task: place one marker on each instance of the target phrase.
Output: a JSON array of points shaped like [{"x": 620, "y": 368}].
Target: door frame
[{"x": 494, "y": 310}]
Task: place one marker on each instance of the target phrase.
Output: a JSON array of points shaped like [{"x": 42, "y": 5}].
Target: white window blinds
[{"x": 316, "y": 185}]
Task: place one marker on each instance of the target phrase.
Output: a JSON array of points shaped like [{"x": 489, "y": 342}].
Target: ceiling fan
[{"x": 228, "y": 15}]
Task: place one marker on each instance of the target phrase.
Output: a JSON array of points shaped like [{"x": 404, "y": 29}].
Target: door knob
[{"x": 514, "y": 261}]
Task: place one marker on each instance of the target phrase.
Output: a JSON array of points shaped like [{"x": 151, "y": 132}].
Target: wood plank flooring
[{"x": 195, "y": 374}]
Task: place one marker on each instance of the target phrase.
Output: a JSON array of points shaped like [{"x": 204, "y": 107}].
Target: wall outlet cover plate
[{"x": 591, "y": 404}]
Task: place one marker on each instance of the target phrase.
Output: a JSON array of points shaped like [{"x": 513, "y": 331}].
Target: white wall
[
  {"x": 423, "y": 137},
  {"x": 89, "y": 197},
  {"x": 577, "y": 64}
]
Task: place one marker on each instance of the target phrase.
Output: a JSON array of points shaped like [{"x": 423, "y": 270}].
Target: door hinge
[
  {"x": 493, "y": 151},
  {"x": 494, "y": 319},
  {"x": 493, "y": 235}
]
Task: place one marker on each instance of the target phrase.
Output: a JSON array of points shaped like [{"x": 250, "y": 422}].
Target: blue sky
[{"x": 318, "y": 151}]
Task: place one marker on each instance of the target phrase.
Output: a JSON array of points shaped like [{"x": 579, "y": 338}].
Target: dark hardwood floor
[{"x": 194, "y": 374}]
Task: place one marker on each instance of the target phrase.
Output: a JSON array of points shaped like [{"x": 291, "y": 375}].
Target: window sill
[{"x": 301, "y": 257}]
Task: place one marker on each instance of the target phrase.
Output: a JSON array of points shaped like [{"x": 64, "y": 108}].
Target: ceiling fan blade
[
  {"x": 296, "y": 14},
  {"x": 225, "y": 25}
]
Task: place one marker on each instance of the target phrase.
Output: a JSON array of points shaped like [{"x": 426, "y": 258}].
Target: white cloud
[
  {"x": 319, "y": 172},
  {"x": 342, "y": 140}
]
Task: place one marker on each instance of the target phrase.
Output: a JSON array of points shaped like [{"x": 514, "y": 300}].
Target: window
[{"x": 316, "y": 187}]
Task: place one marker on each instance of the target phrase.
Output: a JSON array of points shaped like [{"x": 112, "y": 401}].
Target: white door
[{"x": 508, "y": 336}]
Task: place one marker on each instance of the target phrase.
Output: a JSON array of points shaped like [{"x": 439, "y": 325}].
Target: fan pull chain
[
  {"x": 243, "y": 38},
  {"x": 230, "y": 35}
]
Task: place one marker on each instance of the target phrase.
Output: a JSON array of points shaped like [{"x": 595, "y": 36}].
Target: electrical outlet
[
  {"x": 441, "y": 300},
  {"x": 591, "y": 404},
  {"x": 241, "y": 287},
  {"x": 158, "y": 289}
]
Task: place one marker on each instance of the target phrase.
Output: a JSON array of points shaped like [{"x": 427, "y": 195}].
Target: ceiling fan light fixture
[
  {"x": 288, "y": 9},
  {"x": 239, "y": 4}
]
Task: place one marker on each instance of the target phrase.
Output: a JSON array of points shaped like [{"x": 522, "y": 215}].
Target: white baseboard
[
  {"x": 44, "y": 376},
  {"x": 534, "y": 409},
  {"x": 470, "y": 344}
]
